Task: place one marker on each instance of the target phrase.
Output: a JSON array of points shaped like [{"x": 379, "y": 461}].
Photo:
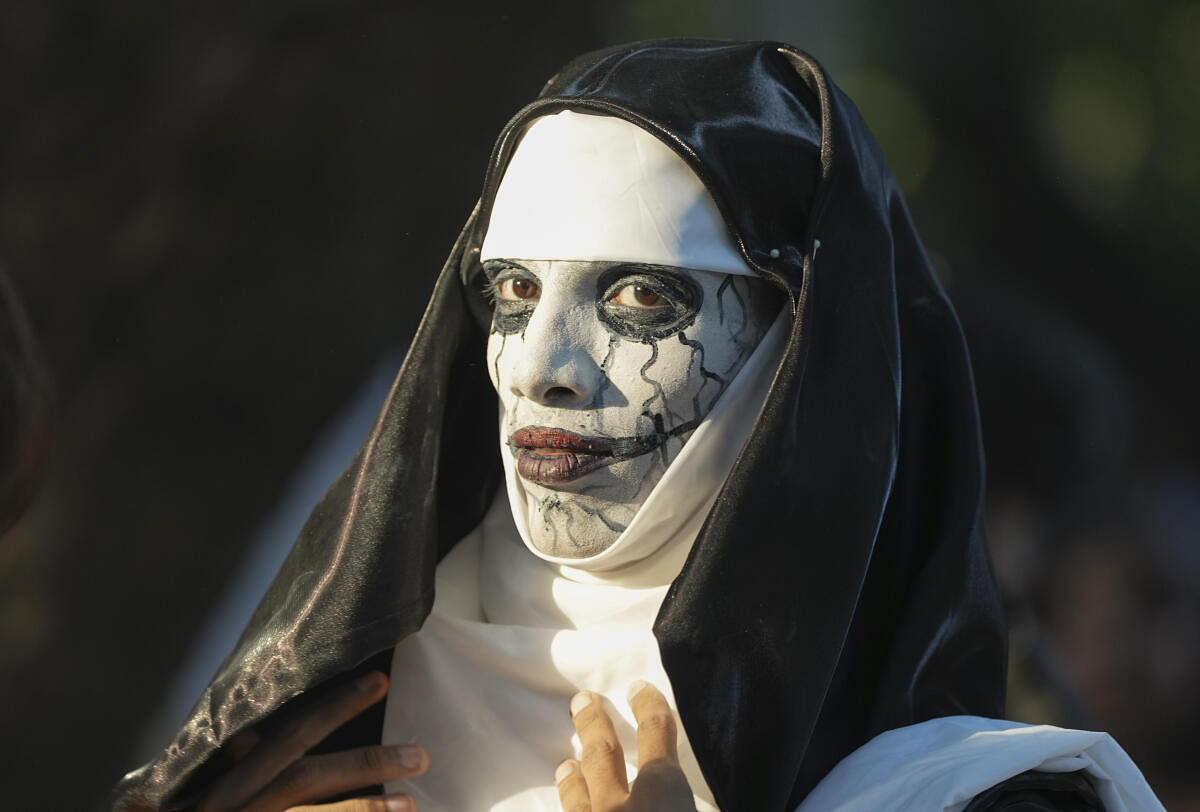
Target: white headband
[{"x": 590, "y": 187}]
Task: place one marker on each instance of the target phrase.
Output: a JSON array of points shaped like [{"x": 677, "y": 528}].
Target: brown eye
[
  {"x": 517, "y": 289},
  {"x": 637, "y": 296}
]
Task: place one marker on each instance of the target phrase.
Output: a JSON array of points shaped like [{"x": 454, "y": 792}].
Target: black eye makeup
[
  {"x": 513, "y": 291},
  {"x": 646, "y": 302}
]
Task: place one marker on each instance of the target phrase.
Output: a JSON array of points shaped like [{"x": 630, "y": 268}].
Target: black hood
[{"x": 840, "y": 586}]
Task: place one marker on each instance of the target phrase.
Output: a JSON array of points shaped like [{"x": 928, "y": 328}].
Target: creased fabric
[{"x": 942, "y": 764}]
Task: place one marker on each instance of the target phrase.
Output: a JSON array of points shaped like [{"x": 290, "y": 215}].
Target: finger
[
  {"x": 660, "y": 786},
  {"x": 389, "y": 803},
  {"x": 315, "y": 777},
  {"x": 656, "y": 730},
  {"x": 572, "y": 787},
  {"x": 243, "y": 743},
  {"x": 289, "y": 741},
  {"x": 602, "y": 763}
]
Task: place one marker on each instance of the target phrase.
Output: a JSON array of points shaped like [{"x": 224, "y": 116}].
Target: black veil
[{"x": 840, "y": 586}]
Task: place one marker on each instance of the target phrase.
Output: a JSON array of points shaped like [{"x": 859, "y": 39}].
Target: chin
[
  {"x": 575, "y": 525},
  {"x": 557, "y": 548}
]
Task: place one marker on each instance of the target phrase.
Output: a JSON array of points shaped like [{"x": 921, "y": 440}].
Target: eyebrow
[{"x": 493, "y": 267}]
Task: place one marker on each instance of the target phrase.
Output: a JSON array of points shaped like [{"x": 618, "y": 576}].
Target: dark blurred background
[{"x": 224, "y": 221}]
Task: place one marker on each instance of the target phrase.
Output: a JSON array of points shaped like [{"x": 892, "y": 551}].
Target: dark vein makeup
[
  {"x": 677, "y": 300},
  {"x": 514, "y": 291},
  {"x": 605, "y": 369}
]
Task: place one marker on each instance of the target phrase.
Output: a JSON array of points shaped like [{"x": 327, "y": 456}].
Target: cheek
[
  {"x": 723, "y": 351},
  {"x": 656, "y": 378},
  {"x": 500, "y": 350}
]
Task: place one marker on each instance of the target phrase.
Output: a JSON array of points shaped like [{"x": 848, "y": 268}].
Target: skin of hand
[
  {"x": 599, "y": 783},
  {"x": 272, "y": 771}
]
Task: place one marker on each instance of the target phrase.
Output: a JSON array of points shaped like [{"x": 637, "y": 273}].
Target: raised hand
[
  {"x": 599, "y": 783},
  {"x": 273, "y": 772}
]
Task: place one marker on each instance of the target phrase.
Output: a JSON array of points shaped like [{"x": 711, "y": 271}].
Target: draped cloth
[{"x": 514, "y": 634}]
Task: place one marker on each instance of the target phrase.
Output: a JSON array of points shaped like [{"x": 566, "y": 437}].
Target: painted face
[{"x": 604, "y": 370}]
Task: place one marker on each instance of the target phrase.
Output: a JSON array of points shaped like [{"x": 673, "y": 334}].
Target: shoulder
[{"x": 946, "y": 763}]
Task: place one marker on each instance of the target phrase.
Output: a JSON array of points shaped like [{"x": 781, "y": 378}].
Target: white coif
[{"x": 597, "y": 188}]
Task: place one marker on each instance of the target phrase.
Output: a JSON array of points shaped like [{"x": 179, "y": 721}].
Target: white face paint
[{"x": 604, "y": 370}]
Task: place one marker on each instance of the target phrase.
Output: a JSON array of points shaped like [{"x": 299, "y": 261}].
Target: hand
[
  {"x": 600, "y": 784},
  {"x": 273, "y": 773}
]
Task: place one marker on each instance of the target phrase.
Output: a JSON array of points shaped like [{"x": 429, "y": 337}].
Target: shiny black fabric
[{"x": 840, "y": 586}]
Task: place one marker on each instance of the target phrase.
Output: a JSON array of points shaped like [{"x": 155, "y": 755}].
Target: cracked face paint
[{"x": 604, "y": 370}]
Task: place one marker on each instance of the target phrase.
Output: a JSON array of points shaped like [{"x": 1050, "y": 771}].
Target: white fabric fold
[
  {"x": 484, "y": 686},
  {"x": 591, "y": 187},
  {"x": 941, "y": 764}
]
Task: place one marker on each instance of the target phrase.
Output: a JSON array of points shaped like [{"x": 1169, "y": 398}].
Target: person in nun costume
[{"x": 738, "y": 479}]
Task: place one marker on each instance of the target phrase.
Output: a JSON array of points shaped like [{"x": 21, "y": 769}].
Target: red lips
[
  {"x": 552, "y": 457},
  {"x": 541, "y": 437}
]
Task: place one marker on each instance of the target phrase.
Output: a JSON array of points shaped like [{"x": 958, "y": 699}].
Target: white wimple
[{"x": 596, "y": 188}]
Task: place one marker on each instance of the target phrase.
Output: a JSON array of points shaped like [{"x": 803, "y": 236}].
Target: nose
[{"x": 555, "y": 367}]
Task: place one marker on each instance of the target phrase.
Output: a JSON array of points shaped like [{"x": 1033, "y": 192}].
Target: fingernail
[
  {"x": 635, "y": 688},
  {"x": 399, "y": 804},
  {"x": 565, "y": 769},
  {"x": 366, "y": 682},
  {"x": 410, "y": 756},
  {"x": 580, "y": 701}
]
